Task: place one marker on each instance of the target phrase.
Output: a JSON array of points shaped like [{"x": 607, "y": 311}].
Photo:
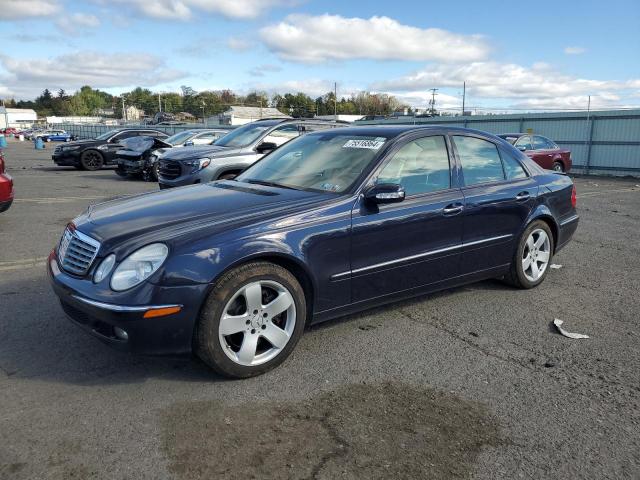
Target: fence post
[
  {"x": 593, "y": 118},
  {"x": 520, "y": 129},
  {"x": 465, "y": 123}
]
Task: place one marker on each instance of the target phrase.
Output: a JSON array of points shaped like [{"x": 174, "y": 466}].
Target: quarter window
[
  {"x": 420, "y": 166},
  {"x": 480, "y": 160},
  {"x": 512, "y": 167}
]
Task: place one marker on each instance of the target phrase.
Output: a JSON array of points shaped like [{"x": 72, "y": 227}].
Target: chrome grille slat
[
  {"x": 77, "y": 251},
  {"x": 169, "y": 169}
]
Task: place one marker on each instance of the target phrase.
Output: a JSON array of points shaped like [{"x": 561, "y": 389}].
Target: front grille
[
  {"x": 170, "y": 170},
  {"x": 58, "y": 149},
  {"x": 77, "y": 251}
]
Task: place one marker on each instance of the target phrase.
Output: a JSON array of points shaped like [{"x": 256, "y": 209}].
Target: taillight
[
  {"x": 1, "y": 163},
  {"x": 574, "y": 200}
]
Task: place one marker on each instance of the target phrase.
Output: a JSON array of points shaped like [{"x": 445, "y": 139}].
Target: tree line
[{"x": 88, "y": 101}]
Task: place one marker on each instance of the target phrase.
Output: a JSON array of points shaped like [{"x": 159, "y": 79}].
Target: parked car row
[{"x": 329, "y": 221}]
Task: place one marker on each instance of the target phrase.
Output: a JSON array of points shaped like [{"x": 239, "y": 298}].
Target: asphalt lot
[{"x": 468, "y": 383}]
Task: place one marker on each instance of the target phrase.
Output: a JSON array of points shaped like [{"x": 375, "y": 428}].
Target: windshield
[
  {"x": 243, "y": 136},
  {"x": 107, "y": 135},
  {"x": 326, "y": 162},
  {"x": 178, "y": 138}
]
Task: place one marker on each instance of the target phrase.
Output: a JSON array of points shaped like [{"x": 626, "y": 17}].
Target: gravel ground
[{"x": 468, "y": 383}]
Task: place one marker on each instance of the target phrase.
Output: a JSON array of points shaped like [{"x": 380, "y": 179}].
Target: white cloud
[
  {"x": 307, "y": 38},
  {"x": 314, "y": 87},
  {"x": 239, "y": 44},
  {"x": 20, "y": 9},
  {"x": 261, "y": 70},
  {"x": 77, "y": 23},
  {"x": 28, "y": 77},
  {"x": 506, "y": 81},
  {"x": 574, "y": 50},
  {"x": 185, "y": 9}
]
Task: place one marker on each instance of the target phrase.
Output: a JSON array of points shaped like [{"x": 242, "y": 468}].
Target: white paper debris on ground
[
  {"x": 558, "y": 323},
  {"x": 555, "y": 266}
]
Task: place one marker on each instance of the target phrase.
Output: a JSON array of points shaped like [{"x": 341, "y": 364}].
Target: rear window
[{"x": 480, "y": 160}]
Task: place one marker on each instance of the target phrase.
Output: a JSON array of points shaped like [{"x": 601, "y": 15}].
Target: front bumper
[
  {"x": 131, "y": 167},
  {"x": 201, "y": 176},
  {"x": 166, "y": 335},
  {"x": 66, "y": 159}
]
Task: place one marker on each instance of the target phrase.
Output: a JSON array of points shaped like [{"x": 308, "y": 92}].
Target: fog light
[{"x": 120, "y": 333}]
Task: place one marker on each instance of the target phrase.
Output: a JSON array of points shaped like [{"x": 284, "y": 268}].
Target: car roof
[{"x": 392, "y": 131}]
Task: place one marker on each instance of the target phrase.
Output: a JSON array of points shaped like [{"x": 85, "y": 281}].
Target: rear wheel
[
  {"x": 91, "y": 160},
  {"x": 533, "y": 256},
  {"x": 558, "y": 167},
  {"x": 251, "y": 320}
]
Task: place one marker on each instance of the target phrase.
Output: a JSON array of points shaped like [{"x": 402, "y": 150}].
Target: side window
[
  {"x": 282, "y": 134},
  {"x": 551, "y": 145},
  {"x": 420, "y": 166},
  {"x": 123, "y": 135},
  {"x": 314, "y": 127},
  {"x": 512, "y": 167},
  {"x": 540, "y": 143},
  {"x": 480, "y": 160},
  {"x": 207, "y": 136},
  {"x": 524, "y": 142}
]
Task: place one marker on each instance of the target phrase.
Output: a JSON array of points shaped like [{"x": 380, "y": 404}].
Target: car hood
[
  {"x": 166, "y": 214},
  {"x": 198, "y": 151}
]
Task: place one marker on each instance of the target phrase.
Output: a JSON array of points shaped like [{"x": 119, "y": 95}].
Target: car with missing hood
[
  {"x": 233, "y": 153},
  {"x": 329, "y": 224},
  {"x": 93, "y": 154},
  {"x": 139, "y": 155}
]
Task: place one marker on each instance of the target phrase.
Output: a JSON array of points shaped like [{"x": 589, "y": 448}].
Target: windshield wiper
[{"x": 269, "y": 184}]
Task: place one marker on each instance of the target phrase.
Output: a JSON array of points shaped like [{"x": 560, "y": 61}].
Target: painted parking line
[
  {"x": 57, "y": 200},
  {"x": 22, "y": 264},
  {"x": 603, "y": 192}
]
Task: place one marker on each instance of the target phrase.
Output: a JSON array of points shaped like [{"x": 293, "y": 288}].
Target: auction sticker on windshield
[{"x": 369, "y": 144}]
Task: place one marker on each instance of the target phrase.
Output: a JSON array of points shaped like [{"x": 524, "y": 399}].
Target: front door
[{"x": 401, "y": 246}]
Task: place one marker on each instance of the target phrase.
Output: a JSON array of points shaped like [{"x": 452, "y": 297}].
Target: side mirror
[
  {"x": 188, "y": 143},
  {"x": 385, "y": 193},
  {"x": 265, "y": 147},
  {"x": 522, "y": 148}
]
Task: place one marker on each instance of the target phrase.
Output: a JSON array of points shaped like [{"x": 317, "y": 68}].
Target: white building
[
  {"x": 133, "y": 113},
  {"x": 17, "y": 117},
  {"x": 239, "y": 115},
  {"x": 341, "y": 117},
  {"x": 55, "y": 120}
]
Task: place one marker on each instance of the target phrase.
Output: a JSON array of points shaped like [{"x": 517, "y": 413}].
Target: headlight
[
  {"x": 104, "y": 269},
  {"x": 71, "y": 147},
  {"x": 139, "y": 266},
  {"x": 103, "y": 147},
  {"x": 198, "y": 164}
]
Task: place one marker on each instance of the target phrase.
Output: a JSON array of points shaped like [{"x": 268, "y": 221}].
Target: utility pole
[
  {"x": 203, "y": 104},
  {"x": 159, "y": 103},
  {"x": 432, "y": 102},
  {"x": 335, "y": 100},
  {"x": 588, "y": 107},
  {"x": 464, "y": 95},
  {"x": 124, "y": 112}
]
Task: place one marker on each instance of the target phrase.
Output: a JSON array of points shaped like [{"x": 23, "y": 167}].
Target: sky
[{"x": 542, "y": 55}]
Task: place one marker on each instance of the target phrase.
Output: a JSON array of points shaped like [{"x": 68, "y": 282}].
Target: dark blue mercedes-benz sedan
[{"x": 331, "y": 223}]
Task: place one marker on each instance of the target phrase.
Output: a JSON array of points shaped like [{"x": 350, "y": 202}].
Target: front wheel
[
  {"x": 251, "y": 320},
  {"x": 91, "y": 160},
  {"x": 533, "y": 256}
]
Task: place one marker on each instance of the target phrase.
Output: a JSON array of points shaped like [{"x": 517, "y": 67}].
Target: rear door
[
  {"x": 416, "y": 242},
  {"x": 543, "y": 152},
  {"x": 498, "y": 194}
]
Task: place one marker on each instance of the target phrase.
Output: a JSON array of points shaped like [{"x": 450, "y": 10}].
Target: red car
[
  {"x": 10, "y": 131},
  {"x": 541, "y": 150},
  {"x": 6, "y": 187}
]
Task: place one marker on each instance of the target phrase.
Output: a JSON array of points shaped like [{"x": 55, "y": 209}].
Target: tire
[
  {"x": 91, "y": 160},
  {"x": 47, "y": 139},
  {"x": 227, "y": 176},
  {"x": 558, "y": 167},
  {"x": 152, "y": 175},
  {"x": 121, "y": 172},
  {"x": 246, "y": 350},
  {"x": 538, "y": 256}
]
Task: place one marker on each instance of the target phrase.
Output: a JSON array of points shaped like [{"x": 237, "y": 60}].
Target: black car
[
  {"x": 93, "y": 154},
  {"x": 135, "y": 157},
  {"x": 328, "y": 224}
]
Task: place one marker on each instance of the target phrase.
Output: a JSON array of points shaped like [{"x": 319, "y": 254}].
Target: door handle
[
  {"x": 452, "y": 209},
  {"x": 522, "y": 196}
]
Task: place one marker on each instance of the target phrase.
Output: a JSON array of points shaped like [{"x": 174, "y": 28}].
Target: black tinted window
[
  {"x": 480, "y": 160},
  {"x": 420, "y": 166},
  {"x": 512, "y": 167}
]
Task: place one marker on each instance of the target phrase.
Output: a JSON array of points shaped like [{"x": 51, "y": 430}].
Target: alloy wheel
[
  {"x": 257, "y": 322},
  {"x": 536, "y": 255}
]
